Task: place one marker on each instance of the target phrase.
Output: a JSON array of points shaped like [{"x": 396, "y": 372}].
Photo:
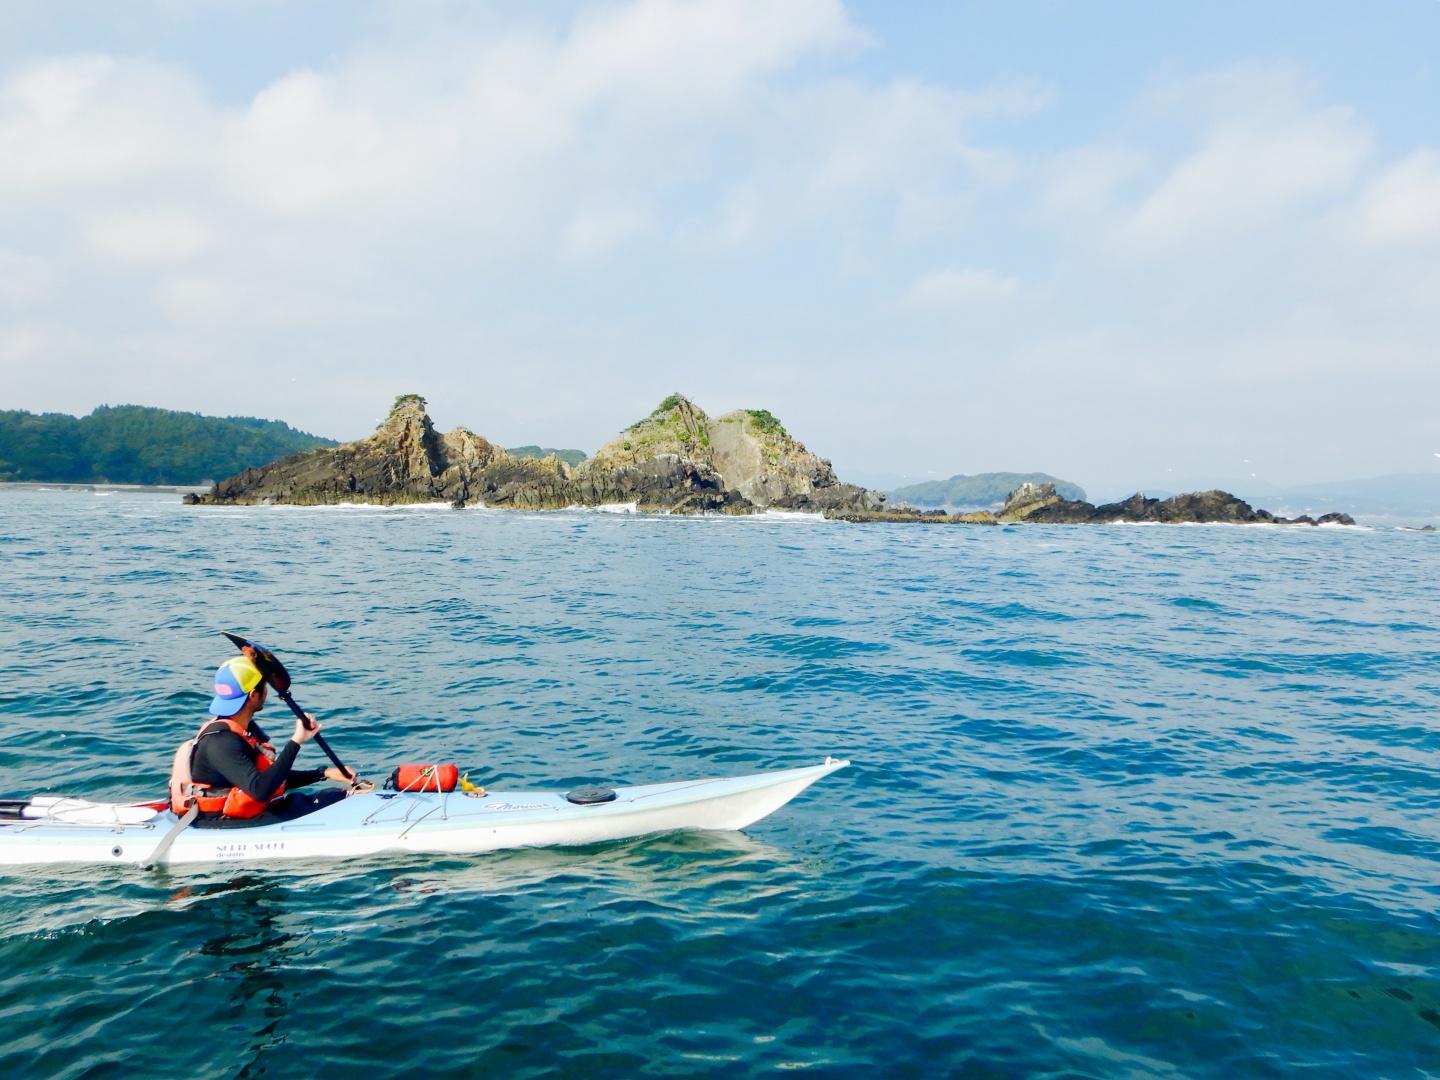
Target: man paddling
[{"x": 230, "y": 770}]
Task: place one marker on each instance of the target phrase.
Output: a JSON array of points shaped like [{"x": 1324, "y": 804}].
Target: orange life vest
[{"x": 233, "y": 803}]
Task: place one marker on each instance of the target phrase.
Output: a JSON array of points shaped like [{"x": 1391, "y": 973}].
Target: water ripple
[{"x": 1126, "y": 801}]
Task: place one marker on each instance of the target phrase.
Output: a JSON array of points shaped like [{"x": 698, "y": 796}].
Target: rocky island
[
  {"x": 677, "y": 460},
  {"x": 1038, "y": 504}
]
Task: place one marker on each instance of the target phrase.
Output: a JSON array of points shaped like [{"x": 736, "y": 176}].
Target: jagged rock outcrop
[
  {"x": 1043, "y": 506},
  {"x": 749, "y": 449},
  {"x": 1028, "y": 499},
  {"x": 666, "y": 483},
  {"x": 676, "y": 460},
  {"x": 1039, "y": 504},
  {"x": 405, "y": 461}
]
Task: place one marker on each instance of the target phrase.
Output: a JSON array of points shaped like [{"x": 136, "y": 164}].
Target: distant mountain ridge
[
  {"x": 135, "y": 444},
  {"x": 980, "y": 489}
]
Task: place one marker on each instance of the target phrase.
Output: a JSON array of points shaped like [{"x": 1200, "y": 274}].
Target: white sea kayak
[{"x": 50, "y": 830}]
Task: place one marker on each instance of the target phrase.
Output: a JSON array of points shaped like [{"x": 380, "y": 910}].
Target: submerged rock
[
  {"x": 676, "y": 460},
  {"x": 909, "y": 515}
]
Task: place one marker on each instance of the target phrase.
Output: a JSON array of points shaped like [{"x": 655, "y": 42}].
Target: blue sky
[{"x": 1131, "y": 244}]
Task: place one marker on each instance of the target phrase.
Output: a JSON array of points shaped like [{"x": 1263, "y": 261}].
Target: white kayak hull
[{"x": 72, "y": 832}]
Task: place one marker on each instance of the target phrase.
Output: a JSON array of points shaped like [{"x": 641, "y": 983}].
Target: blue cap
[{"x": 234, "y": 680}]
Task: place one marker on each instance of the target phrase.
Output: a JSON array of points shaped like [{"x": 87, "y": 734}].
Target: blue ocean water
[{"x": 1126, "y": 801}]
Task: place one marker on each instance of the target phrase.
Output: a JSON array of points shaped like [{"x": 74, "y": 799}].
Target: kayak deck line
[
  {"x": 372, "y": 823},
  {"x": 417, "y": 821},
  {"x": 64, "y": 810}
]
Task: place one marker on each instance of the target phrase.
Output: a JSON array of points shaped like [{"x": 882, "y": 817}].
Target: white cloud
[
  {"x": 199, "y": 300},
  {"x": 1083, "y": 181},
  {"x": 908, "y": 133},
  {"x": 1403, "y": 205},
  {"x": 594, "y": 232},
  {"x": 954, "y": 287},
  {"x": 1264, "y": 154},
  {"x": 95, "y": 122},
  {"x": 155, "y": 238},
  {"x": 466, "y": 131},
  {"x": 666, "y": 56},
  {"x": 25, "y": 280},
  {"x": 654, "y": 120}
]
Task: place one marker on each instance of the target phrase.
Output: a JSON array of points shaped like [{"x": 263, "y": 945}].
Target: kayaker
[{"x": 233, "y": 772}]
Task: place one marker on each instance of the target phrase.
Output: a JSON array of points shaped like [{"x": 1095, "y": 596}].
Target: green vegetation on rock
[
  {"x": 981, "y": 489},
  {"x": 132, "y": 444},
  {"x": 766, "y": 423},
  {"x": 409, "y": 399},
  {"x": 674, "y": 410},
  {"x": 570, "y": 457},
  {"x": 676, "y": 426}
]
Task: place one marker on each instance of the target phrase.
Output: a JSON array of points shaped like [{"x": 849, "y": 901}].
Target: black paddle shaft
[
  {"x": 274, "y": 673},
  {"x": 319, "y": 739}
]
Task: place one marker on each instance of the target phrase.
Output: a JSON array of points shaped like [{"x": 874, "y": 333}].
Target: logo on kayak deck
[
  {"x": 240, "y": 851},
  {"x": 503, "y": 806}
]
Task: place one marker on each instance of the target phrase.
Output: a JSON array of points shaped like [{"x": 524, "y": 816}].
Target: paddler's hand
[
  {"x": 302, "y": 733},
  {"x": 340, "y": 776}
]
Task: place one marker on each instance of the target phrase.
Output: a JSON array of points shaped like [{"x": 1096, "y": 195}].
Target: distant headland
[
  {"x": 979, "y": 491},
  {"x": 677, "y": 460}
]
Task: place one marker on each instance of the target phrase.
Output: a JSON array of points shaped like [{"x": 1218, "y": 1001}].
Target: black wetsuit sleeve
[
  {"x": 297, "y": 777},
  {"x": 225, "y": 758}
]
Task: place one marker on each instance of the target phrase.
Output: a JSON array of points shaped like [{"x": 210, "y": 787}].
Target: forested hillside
[
  {"x": 570, "y": 457},
  {"x": 981, "y": 489},
  {"x": 132, "y": 444}
]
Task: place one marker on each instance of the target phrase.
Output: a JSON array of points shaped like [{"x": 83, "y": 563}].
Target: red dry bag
[{"x": 424, "y": 778}]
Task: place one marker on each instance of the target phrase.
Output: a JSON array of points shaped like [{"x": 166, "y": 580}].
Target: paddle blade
[{"x": 270, "y": 667}]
